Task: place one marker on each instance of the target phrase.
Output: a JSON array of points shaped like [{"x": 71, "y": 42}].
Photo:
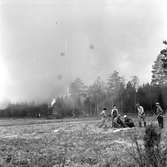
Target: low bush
[{"x": 152, "y": 152}]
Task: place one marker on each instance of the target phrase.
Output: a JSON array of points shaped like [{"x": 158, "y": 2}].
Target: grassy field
[{"x": 58, "y": 143}]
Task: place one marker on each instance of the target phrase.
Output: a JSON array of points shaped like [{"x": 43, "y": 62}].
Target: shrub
[{"x": 152, "y": 154}]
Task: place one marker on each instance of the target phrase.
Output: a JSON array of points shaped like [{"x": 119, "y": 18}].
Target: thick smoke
[{"x": 46, "y": 44}]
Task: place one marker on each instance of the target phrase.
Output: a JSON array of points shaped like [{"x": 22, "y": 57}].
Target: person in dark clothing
[
  {"x": 159, "y": 113},
  {"x": 128, "y": 122},
  {"x": 118, "y": 123}
]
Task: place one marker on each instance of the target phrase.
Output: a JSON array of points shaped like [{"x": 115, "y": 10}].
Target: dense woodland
[{"x": 88, "y": 100}]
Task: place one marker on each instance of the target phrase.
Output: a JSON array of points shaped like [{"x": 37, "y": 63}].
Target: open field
[{"x": 54, "y": 143}]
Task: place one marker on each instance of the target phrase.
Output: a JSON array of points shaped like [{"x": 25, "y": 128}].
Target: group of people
[{"x": 114, "y": 119}]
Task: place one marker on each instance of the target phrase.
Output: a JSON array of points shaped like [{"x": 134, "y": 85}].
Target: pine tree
[
  {"x": 115, "y": 89},
  {"x": 159, "y": 69},
  {"x": 115, "y": 81},
  {"x": 77, "y": 88},
  {"x": 97, "y": 93},
  {"x": 159, "y": 76},
  {"x": 135, "y": 82},
  {"x": 78, "y": 91}
]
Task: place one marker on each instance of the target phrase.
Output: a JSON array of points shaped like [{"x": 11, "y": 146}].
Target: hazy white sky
[{"x": 45, "y": 44}]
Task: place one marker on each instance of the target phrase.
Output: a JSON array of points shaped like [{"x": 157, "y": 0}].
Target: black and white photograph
[{"x": 83, "y": 83}]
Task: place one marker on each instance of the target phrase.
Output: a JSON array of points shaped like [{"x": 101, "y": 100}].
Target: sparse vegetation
[
  {"x": 78, "y": 144},
  {"x": 152, "y": 152}
]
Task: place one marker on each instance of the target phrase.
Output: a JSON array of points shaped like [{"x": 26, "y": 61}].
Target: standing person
[
  {"x": 159, "y": 113},
  {"x": 114, "y": 114},
  {"x": 103, "y": 115},
  {"x": 141, "y": 115}
]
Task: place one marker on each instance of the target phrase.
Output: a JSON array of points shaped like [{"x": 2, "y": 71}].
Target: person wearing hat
[
  {"x": 159, "y": 113},
  {"x": 128, "y": 122},
  {"x": 141, "y": 115}
]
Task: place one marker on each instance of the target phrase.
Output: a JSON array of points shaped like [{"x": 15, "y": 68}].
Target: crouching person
[
  {"x": 128, "y": 122},
  {"x": 118, "y": 123}
]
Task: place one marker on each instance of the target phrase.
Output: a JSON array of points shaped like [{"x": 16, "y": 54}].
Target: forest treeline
[
  {"x": 88, "y": 100},
  {"x": 83, "y": 100}
]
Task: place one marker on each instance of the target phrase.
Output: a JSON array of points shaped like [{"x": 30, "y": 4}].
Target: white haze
[{"x": 45, "y": 44}]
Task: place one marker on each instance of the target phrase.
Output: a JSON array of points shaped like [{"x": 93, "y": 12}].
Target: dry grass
[{"x": 80, "y": 144}]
